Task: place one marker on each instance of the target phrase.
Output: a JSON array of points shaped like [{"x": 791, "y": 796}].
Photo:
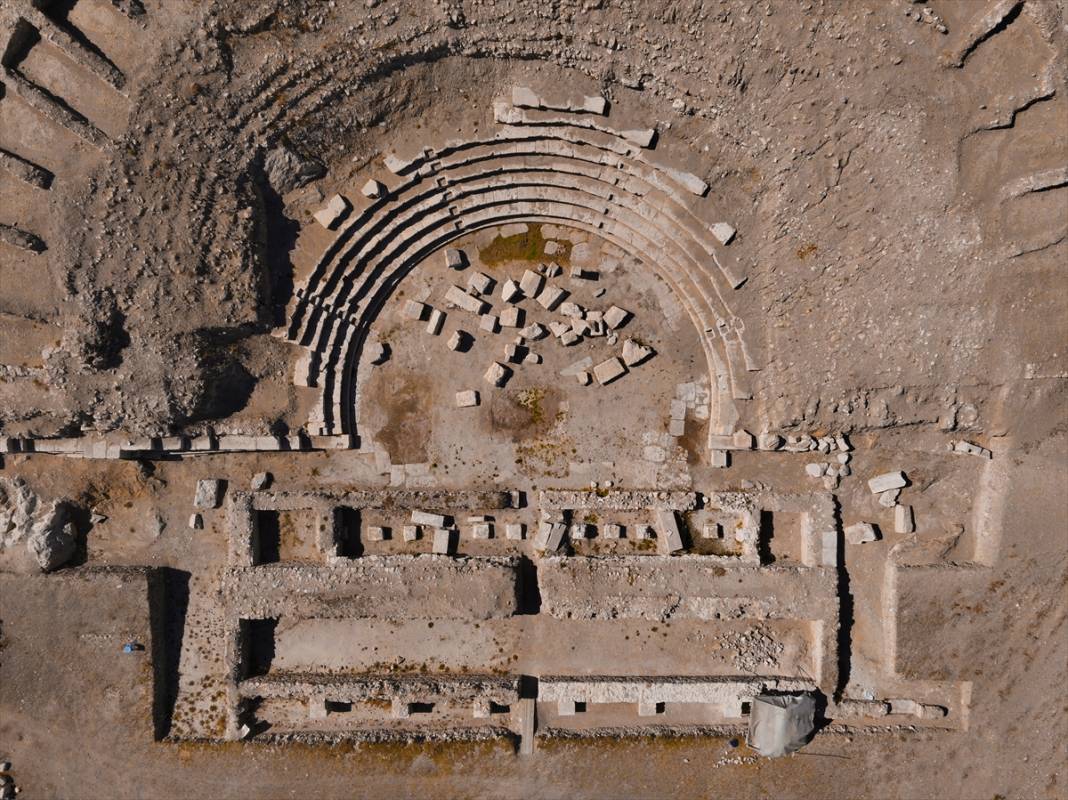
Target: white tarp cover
[{"x": 781, "y": 724}]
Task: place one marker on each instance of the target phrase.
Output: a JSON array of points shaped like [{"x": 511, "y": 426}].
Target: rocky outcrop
[
  {"x": 34, "y": 534},
  {"x": 287, "y": 170}
]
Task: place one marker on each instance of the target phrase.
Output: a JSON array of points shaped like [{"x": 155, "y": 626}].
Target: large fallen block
[
  {"x": 724, "y": 232},
  {"x": 455, "y": 259},
  {"x": 497, "y": 374},
  {"x": 550, "y": 535},
  {"x": 480, "y": 282},
  {"x": 609, "y": 370},
  {"x": 551, "y": 296},
  {"x": 331, "y": 214},
  {"x": 669, "y": 538},
  {"x": 208, "y": 493},
  {"x": 510, "y": 292},
  {"x": 461, "y": 299},
  {"x": 634, "y": 353},
  {"x": 467, "y": 398},
  {"x": 616, "y": 317},
  {"x": 531, "y": 282},
  {"x": 860, "y": 533},
  {"x": 887, "y": 481},
  {"x": 904, "y": 522},
  {"x": 428, "y": 518}
]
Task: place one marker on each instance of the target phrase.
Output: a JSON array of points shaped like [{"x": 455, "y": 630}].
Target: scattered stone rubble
[{"x": 573, "y": 324}]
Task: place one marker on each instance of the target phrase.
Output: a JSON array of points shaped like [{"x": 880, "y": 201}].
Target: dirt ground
[{"x": 894, "y": 172}]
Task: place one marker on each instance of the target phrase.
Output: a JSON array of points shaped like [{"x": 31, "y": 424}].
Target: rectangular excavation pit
[
  {"x": 290, "y": 536},
  {"x": 540, "y": 644},
  {"x": 404, "y": 587},
  {"x": 781, "y": 537}
]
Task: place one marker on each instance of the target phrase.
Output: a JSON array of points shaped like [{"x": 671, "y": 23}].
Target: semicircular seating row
[{"x": 537, "y": 168}]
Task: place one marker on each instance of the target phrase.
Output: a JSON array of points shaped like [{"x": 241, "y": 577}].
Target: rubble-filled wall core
[{"x": 585, "y": 399}]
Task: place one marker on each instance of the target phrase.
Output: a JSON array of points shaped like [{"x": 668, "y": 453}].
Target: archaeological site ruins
[{"x": 515, "y": 399}]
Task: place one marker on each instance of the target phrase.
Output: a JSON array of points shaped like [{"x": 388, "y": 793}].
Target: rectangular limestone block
[
  {"x": 829, "y": 549},
  {"x": 886, "y": 482},
  {"x": 455, "y": 259},
  {"x": 609, "y": 370},
  {"x": 482, "y": 530},
  {"x": 510, "y": 292},
  {"x": 724, "y": 232},
  {"x": 615, "y": 316},
  {"x": 612, "y": 531},
  {"x": 373, "y": 189},
  {"x": 550, "y": 534},
  {"x": 413, "y": 309},
  {"x": 514, "y": 531},
  {"x": 511, "y": 317},
  {"x": 667, "y": 526},
  {"x": 531, "y": 282},
  {"x": 461, "y": 299},
  {"x": 522, "y": 97},
  {"x": 497, "y": 374},
  {"x": 437, "y": 320},
  {"x": 467, "y": 398},
  {"x": 860, "y": 532},
  {"x": 411, "y": 533},
  {"x": 904, "y": 522},
  {"x": 442, "y": 542},
  {"x": 208, "y": 493},
  {"x": 426, "y": 518},
  {"x": 648, "y": 708},
  {"x": 594, "y": 105},
  {"x": 331, "y": 214},
  {"x": 480, "y": 282},
  {"x": 643, "y": 137},
  {"x": 489, "y": 323},
  {"x": 550, "y": 297}
]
